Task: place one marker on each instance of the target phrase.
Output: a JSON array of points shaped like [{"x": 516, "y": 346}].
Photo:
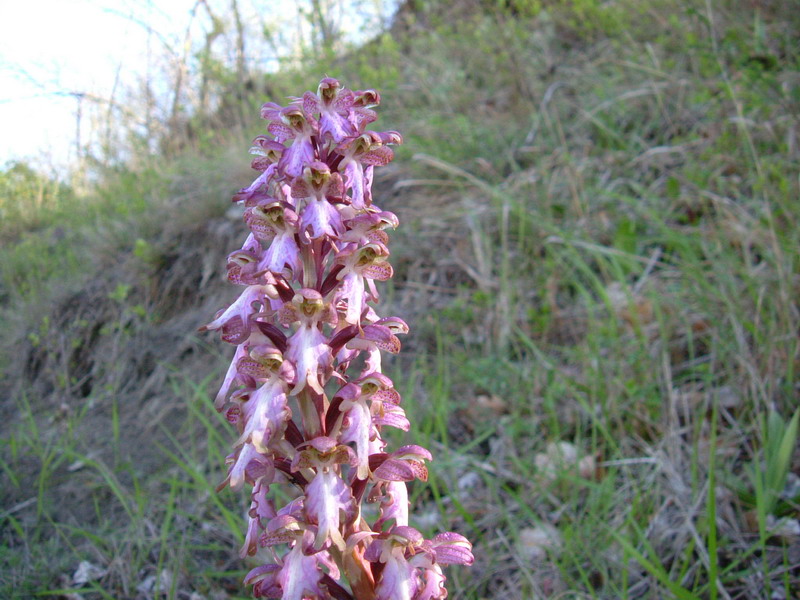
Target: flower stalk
[{"x": 305, "y": 389}]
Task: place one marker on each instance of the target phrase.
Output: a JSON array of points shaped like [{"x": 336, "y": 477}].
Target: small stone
[
  {"x": 556, "y": 457},
  {"x": 728, "y": 397},
  {"x": 164, "y": 582},
  {"x": 785, "y": 528},
  {"x": 792, "y": 488},
  {"x": 587, "y": 467},
  {"x": 534, "y": 543},
  {"x": 146, "y": 586},
  {"x": 468, "y": 481},
  {"x": 87, "y": 572},
  {"x": 157, "y": 585}
]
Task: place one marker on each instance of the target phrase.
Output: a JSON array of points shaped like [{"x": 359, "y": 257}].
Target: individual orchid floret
[
  {"x": 305, "y": 389},
  {"x": 445, "y": 549},
  {"x": 270, "y": 149},
  {"x": 373, "y": 340},
  {"x": 405, "y": 464},
  {"x": 368, "y": 262},
  {"x": 268, "y": 153},
  {"x": 320, "y": 218},
  {"x": 359, "y": 155},
  {"x": 333, "y": 104},
  {"x": 235, "y": 321},
  {"x": 270, "y": 221},
  {"x": 394, "y": 504},
  {"x": 327, "y": 495},
  {"x": 230, "y": 377},
  {"x": 357, "y": 426},
  {"x": 246, "y": 458},
  {"x": 391, "y": 415},
  {"x": 398, "y": 579},
  {"x": 269, "y": 218},
  {"x": 265, "y": 412},
  {"x": 261, "y": 509},
  {"x": 369, "y": 227},
  {"x": 242, "y": 267},
  {"x": 294, "y": 125},
  {"x": 361, "y": 113},
  {"x": 308, "y": 348},
  {"x": 301, "y": 572}
]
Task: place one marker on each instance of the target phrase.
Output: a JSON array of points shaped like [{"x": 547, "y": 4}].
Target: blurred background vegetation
[{"x": 598, "y": 258}]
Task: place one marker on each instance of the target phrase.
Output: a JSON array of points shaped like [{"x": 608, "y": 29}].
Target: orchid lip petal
[
  {"x": 308, "y": 349},
  {"x": 326, "y": 496}
]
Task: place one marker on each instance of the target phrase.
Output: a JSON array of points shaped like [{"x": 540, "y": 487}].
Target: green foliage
[
  {"x": 28, "y": 198},
  {"x": 768, "y": 472},
  {"x": 593, "y": 19},
  {"x": 600, "y": 210}
]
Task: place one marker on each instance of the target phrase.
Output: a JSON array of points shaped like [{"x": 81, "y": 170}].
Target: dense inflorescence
[{"x": 305, "y": 388}]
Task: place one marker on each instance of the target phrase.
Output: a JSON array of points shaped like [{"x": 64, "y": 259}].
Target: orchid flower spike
[{"x": 305, "y": 388}]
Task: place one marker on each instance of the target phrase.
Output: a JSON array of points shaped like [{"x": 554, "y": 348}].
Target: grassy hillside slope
[{"x": 598, "y": 259}]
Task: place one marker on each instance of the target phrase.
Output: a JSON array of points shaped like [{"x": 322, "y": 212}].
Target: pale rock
[
  {"x": 785, "y": 528},
  {"x": 87, "y": 572},
  {"x": 534, "y": 543}
]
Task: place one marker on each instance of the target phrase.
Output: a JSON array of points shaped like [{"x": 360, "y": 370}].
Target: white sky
[{"x": 49, "y": 48}]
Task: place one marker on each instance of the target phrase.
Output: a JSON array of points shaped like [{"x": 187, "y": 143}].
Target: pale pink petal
[
  {"x": 433, "y": 588},
  {"x": 230, "y": 375},
  {"x": 299, "y": 578},
  {"x": 296, "y": 157},
  {"x": 398, "y": 579},
  {"x": 265, "y": 413},
  {"x": 352, "y": 291},
  {"x": 388, "y": 413},
  {"x": 310, "y": 353},
  {"x": 242, "y": 308},
  {"x": 452, "y": 549},
  {"x": 359, "y": 430},
  {"x": 326, "y": 496},
  {"x": 322, "y": 218},
  {"x": 395, "y": 505},
  {"x": 282, "y": 253},
  {"x": 335, "y": 126},
  {"x": 236, "y": 474},
  {"x": 354, "y": 180}
]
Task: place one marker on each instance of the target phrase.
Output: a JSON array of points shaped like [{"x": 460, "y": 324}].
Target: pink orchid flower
[{"x": 305, "y": 389}]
